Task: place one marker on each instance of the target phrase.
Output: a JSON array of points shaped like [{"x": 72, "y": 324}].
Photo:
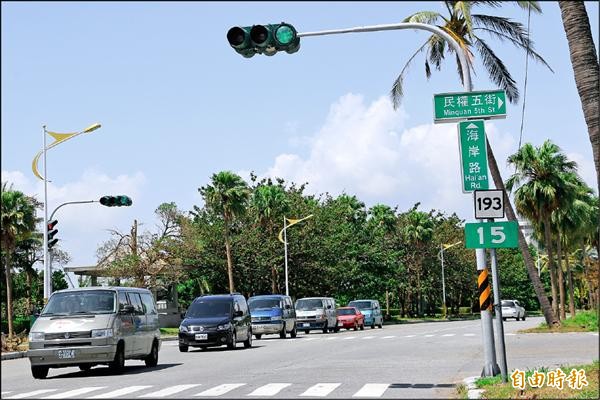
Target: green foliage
[{"x": 587, "y": 320}]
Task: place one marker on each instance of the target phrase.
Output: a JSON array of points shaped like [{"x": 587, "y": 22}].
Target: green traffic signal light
[
  {"x": 116, "y": 201},
  {"x": 264, "y": 39},
  {"x": 239, "y": 39}
]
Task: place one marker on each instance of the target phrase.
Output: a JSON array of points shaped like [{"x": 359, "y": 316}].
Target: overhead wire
[{"x": 525, "y": 82}]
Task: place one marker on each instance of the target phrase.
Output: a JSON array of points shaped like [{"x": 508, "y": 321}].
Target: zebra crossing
[{"x": 198, "y": 390}]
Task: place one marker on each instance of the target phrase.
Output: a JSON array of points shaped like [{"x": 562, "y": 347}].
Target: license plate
[
  {"x": 65, "y": 354},
  {"x": 340, "y": 323},
  {"x": 201, "y": 336},
  {"x": 305, "y": 325}
]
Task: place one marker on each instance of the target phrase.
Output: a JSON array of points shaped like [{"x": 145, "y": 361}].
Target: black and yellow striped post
[
  {"x": 483, "y": 285},
  {"x": 490, "y": 366}
]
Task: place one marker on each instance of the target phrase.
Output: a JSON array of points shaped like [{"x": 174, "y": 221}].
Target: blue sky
[{"x": 177, "y": 104}]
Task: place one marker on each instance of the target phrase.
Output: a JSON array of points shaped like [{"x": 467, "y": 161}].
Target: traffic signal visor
[{"x": 51, "y": 233}]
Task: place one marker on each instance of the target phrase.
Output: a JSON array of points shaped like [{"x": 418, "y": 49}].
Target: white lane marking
[
  {"x": 388, "y": 337},
  {"x": 30, "y": 394},
  {"x": 120, "y": 392},
  {"x": 170, "y": 390},
  {"x": 3, "y": 393},
  {"x": 449, "y": 334},
  {"x": 350, "y": 338},
  {"x": 429, "y": 335},
  {"x": 510, "y": 334},
  {"x": 332, "y": 338},
  {"x": 311, "y": 338},
  {"x": 75, "y": 392},
  {"x": 320, "y": 389},
  {"x": 368, "y": 337},
  {"x": 409, "y": 336},
  {"x": 468, "y": 334},
  {"x": 372, "y": 390},
  {"x": 270, "y": 389},
  {"x": 221, "y": 389}
]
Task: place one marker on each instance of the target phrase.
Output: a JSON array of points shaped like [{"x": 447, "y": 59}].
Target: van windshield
[
  {"x": 309, "y": 304},
  {"x": 209, "y": 308},
  {"x": 81, "y": 302},
  {"x": 263, "y": 304},
  {"x": 361, "y": 305}
]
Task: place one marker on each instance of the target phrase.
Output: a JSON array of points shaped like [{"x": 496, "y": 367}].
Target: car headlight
[
  {"x": 100, "y": 333},
  {"x": 183, "y": 328},
  {"x": 34, "y": 336},
  {"x": 224, "y": 327}
]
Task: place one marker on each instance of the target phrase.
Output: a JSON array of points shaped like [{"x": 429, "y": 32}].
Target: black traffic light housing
[
  {"x": 51, "y": 233},
  {"x": 116, "y": 201},
  {"x": 264, "y": 39}
]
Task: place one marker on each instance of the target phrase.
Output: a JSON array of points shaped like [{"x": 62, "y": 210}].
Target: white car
[{"x": 512, "y": 309}]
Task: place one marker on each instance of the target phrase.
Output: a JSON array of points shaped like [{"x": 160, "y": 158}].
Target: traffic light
[
  {"x": 264, "y": 39},
  {"x": 116, "y": 201},
  {"x": 51, "y": 233}
]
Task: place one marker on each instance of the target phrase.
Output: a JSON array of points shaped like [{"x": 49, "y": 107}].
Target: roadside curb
[
  {"x": 13, "y": 354},
  {"x": 169, "y": 338},
  {"x": 472, "y": 391}
]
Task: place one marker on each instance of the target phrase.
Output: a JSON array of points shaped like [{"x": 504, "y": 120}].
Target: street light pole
[
  {"x": 441, "y": 256},
  {"x": 287, "y": 291}
]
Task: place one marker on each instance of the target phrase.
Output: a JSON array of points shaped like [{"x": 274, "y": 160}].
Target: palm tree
[
  {"x": 271, "y": 204},
  {"x": 17, "y": 223},
  {"x": 585, "y": 67},
  {"x": 227, "y": 196},
  {"x": 540, "y": 182},
  {"x": 465, "y": 28},
  {"x": 418, "y": 229}
]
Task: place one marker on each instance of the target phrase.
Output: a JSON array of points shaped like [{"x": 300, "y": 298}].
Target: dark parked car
[{"x": 215, "y": 320}]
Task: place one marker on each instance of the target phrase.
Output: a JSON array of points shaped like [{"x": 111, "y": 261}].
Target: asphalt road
[{"x": 422, "y": 360}]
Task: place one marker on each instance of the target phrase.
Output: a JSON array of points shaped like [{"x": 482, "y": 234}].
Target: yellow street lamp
[
  {"x": 59, "y": 138},
  {"x": 283, "y": 240},
  {"x": 442, "y": 248}
]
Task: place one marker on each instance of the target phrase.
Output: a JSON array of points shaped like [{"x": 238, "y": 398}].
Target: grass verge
[
  {"x": 169, "y": 331},
  {"x": 496, "y": 389},
  {"x": 583, "y": 321}
]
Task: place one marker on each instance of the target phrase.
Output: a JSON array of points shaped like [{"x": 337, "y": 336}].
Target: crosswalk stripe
[
  {"x": 409, "y": 336},
  {"x": 31, "y": 394},
  {"x": 332, "y": 338},
  {"x": 349, "y": 338},
  {"x": 270, "y": 389},
  {"x": 429, "y": 335},
  {"x": 388, "y": 337},
  {"x": 170, "y": 390},
  {"x": 320, "y": 389},
  {"x": 469, "y": 334},
  {"x": 120, "y": 392},
  {"x": 372, "y": 390},
  {"x": 74, "y": 393},
  {"x": 221, "y": 389},
  {"x": 449, "y": 334},
  {"x": 368, "y": 337}
]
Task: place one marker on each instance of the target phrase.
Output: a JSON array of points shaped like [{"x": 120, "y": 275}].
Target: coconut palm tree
[
  {"x": 466, "y": 28},
  {"x": 586, "y": 69},
  {"x": 227, "y": 196},
  {"x": 271, "y": 204},
  {"x": 17, "y": 223},
  {"x": 540, "y": 182}
]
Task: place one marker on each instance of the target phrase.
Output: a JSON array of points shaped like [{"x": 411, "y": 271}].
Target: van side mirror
[
  {"x": 287, "y": 307},
  {"x": 238, "y": 313},
  {"x": 127, "y": 309},
  {"x": 329, "y": 306}
]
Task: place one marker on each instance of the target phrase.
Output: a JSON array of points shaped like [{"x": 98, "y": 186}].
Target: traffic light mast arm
[
  {"x": 70, "y": 202},
  {"x": 407, "y": 25}
]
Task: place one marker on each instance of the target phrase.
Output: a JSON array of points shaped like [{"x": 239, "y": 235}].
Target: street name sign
[
  {"x": 489, "y": 203},
  {"x": 491, "y": 235},
  {"x": 473, "y": 155},
  {"x": 449, "y": 107}
]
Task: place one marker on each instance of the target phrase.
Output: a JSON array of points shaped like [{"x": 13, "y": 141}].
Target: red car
[{"x": 350, "y": 317}]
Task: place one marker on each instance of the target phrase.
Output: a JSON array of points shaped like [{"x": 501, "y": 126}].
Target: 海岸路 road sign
[
  {"x": 488, "y": 104},
  {"x": 473, "y": 155}
]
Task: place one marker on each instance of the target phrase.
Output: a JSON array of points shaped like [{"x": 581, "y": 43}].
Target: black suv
[{"x": 215, "y": 320}]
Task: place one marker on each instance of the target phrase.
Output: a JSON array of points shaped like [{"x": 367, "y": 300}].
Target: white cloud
[{"x": 366, "y": 150}]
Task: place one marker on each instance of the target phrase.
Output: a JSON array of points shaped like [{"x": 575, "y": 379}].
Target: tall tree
[
  {"x": 586, "y": 69},
  {"x": 228, "y": 196},
  {"x": 539, "y": 182},
  {"x": 17, "y": 223},
  {"x": 464, "y": 27}
]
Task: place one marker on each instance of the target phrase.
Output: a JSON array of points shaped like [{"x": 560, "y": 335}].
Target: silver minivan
[
  {"x": 314, "y": 313},
  {"x": 85, "y": 327}
]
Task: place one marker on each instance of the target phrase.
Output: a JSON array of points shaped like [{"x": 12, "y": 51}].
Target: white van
[
  {"x": 316, "y": 313},
  {"x": 97, "y": 325}
]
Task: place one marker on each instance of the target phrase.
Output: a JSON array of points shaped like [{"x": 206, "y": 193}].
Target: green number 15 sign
[{"x": 491, "y": 235}]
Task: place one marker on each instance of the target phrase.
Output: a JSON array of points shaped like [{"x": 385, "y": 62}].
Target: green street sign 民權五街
[
  {"x": 450, "y": 107},
  {"x": 473, "y": 155},
  {"x": 491, "y": 235}
]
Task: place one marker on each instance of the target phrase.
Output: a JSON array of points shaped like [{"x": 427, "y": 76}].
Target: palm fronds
[
  {"x": 497, "y": 70},
  {"x": 397, "y": 93}
]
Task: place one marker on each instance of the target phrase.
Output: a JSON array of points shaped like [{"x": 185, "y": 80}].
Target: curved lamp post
[
  {"x": 284, "y": 241},
  {"x": 59, "y": 138},
  {"x": 441, "y": 253}
]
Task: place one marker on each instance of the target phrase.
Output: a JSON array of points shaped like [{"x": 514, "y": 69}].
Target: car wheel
[
  {"x": 373, "y": 326},
  {"x": 233, "y": 343},
  {"x": 248, "y": 342},
  {"x": 183, "y": 348},
  {"x": 306, "y": 332},
  {"x": 203, "y": 348},
  {"x": 151, "y": 359},
  {"x": 503, "y": 318},
  {"x": 39, "y": 372},
  {"x": 362, "y": 326},
  {"x": 118, "y": 363},
  {"x": 85, "y": 367},
  {"x": 355, "y": 326},
  {"x": 523, "y": 317},
  {"x": 336, "y": 329},
  {"x": 294, "y": 332},
  {"x": 380, "y": 326},
  {"x": 282, "y": 333},
  {"x": 258, "y": 336},
  {"x": 517, "y": 318},
  {"x": 325, "y": 328}
]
